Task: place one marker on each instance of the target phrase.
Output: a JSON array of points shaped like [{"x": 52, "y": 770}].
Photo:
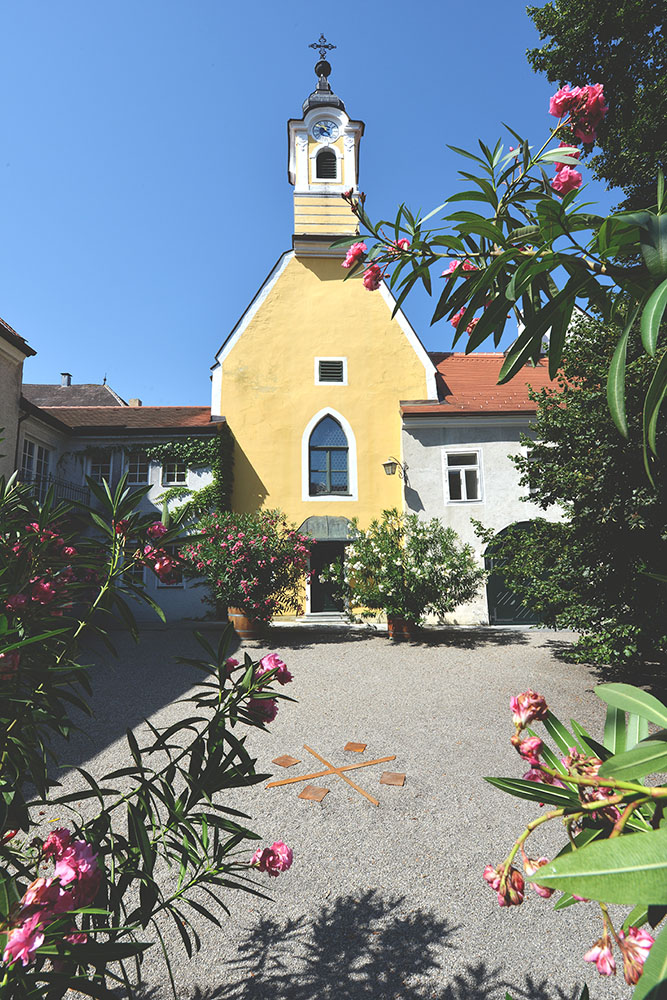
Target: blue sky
[{"x": 145, "y": 193}]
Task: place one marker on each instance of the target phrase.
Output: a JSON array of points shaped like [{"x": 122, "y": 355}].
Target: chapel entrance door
[
  {"x": 331, "y": 535},
  {"x": 321, "y": 594}
]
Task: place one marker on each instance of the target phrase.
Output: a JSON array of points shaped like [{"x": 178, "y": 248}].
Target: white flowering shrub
[{"x": 406, "y": 568}]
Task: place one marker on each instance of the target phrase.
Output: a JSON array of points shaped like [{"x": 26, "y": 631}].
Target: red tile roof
[
  {"x": 12, "y": 337},
  {"x": 119, "y": 419},
  {"x": 470, "y": 385}
]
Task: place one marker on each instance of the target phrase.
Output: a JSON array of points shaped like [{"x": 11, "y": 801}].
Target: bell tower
[{"x": 323, "y": 163}]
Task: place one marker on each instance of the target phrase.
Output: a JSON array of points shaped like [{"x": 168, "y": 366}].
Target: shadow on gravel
[
  {"x": 650, "y": 676},
  {"x": 468, "y": 638},
  {"x": 358, "y": 949}
]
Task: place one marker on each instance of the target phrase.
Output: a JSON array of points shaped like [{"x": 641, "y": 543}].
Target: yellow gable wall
[{"x": 269, "y": 395}]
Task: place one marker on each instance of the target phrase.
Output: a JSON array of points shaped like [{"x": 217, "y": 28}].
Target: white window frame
[
  {"x": 138, "y": 482},
  {"x": 94, "y": 461},
  {"x": 37, "y": 460},
  {"x": 352, "y": 485},
  {"x": 176, "y": 482},
  {"x": 330, "y": 358},
  {"x": 447, "y": 468}
]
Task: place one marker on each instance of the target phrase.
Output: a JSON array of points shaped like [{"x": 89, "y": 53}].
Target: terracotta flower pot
[
  {"x": 399, "y": 628},
  {"x": 245, "y": 627}
]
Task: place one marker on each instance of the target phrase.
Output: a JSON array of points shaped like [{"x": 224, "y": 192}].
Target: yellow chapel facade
[{"x": 310, "y": 379}]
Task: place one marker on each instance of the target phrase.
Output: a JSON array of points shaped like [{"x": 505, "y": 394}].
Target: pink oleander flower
[
  {"x": 57, "y": 843},
  {"x": 355, "y": 252},
  {"x": 43, "y": 591},
  {"x": 564, "y": 100},
  {"x": 271, "y": 662},
  {"x": 458, "y": 267},
  {"x": 511, "y": 892},
  {"x": 492, "y": 876},
  {"x": 372, "y": 277},
  {"x": 76, "y": 937},
  {"x": 602, "y": 955},
  {"x": 508, "y": 889},
  {"x": 566, "y": 180},
  {"x": 120, "y": 527},
  {"x": 156, "y": 530},
  {"x": 23, "y": 941},
  {"x": 635, "y": 947},
  {"x": 455, "y": 320},
  {"x": 274, "y": 859},
  {"x": 540, "y": 776},
  {"x": 43, "y": 893},
  {"x": 230, "y": 663},
  {"x": 263, "y": 709},
  {"x": 15, "y": 602},
  {"x": 532, "y": 865},
  {"x": 399, "y": 245},
  {"x": 588, "y": 117},
  {"x": 77, "y": 868},
  {"x": 527, "y": 707},
  {"x": 9, "y": 665},
  {"x": 530, "y": 749}
]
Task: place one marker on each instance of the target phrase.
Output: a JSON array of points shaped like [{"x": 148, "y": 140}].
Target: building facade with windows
[
  {"x": 458, "y": 452},
  {"x": 69, "y": 433}
]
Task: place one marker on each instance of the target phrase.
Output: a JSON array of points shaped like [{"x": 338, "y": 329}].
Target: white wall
[{"x": 425, "y": 439}]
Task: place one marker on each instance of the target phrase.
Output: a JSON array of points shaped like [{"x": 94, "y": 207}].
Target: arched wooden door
[{"x": 505, "y": 608}]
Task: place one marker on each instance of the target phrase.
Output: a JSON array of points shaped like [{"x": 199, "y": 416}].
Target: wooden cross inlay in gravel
[{"x": 332, "y": 769}]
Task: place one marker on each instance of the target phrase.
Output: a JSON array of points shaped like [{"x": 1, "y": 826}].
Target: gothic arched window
[
  {"x": 326, "y": 167},
  {"x": 328, "y": 459}
]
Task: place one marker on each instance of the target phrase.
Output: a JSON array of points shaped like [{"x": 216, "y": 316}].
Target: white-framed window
[
  {"x": 100, "y": 468},
  {"x": 35, "y": 460},
  {"x": 174, "y": 473},
  {"x": 463, "y": 475},
  {"x": 177, "y": 580},
  {"x": 328, "y": 459},
  {"x": 138, "y": 468},
  {"x": 331, "y": 371}
]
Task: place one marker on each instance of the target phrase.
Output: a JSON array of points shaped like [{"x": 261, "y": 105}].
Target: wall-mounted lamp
[{"x": 392, "y": 465}]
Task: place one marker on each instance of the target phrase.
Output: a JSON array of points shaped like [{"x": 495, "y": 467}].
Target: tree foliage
[
  {"x": 591, "y": 572},
  {"x": 621, "y": 45}
]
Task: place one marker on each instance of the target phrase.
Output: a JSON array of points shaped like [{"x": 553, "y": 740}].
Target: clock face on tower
[{"x": 325, "y": 130}]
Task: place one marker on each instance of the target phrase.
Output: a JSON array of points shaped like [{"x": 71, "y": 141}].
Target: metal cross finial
[{"x": 322, "y": 45}]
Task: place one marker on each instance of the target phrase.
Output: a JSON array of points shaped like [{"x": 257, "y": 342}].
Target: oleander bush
[{"x": 79, "y": 906}]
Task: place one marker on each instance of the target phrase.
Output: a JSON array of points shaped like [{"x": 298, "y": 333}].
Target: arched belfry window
[
  {"x": 328, "y": 465},
  {"x": 326, "y": 167}
]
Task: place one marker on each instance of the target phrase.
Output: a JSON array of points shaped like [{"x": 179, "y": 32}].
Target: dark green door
[
  {"x": 321, "y": 594},
  {"x": 505, "y": 608}
]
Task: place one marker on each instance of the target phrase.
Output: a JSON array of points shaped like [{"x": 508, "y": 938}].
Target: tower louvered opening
[{"x": 326, "y": 166}]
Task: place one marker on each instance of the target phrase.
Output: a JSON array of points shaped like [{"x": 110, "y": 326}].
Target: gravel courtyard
[{"x": 385, "y": 903}]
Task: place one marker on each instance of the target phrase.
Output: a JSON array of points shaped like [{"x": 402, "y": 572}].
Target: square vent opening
[{"x": 330, "y": 371}]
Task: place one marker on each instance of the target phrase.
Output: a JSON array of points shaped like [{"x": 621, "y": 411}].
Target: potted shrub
[
  {"x": 406, "y": 568},
  {"x": 255, "y": 564}
]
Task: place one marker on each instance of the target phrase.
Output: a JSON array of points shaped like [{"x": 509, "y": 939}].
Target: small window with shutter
[
  {"x": 326, "y": 166},
  {"x": 330, "y": 371}
]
